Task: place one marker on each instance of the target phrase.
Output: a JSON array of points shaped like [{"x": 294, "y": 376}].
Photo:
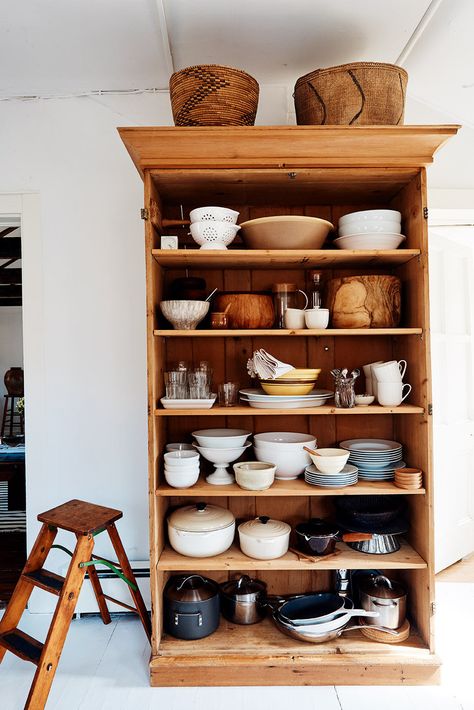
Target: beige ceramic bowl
[
  {"x": 254, "y": 475},
  {"x": 285, "y": 232},
  {"x": 300, "y": 373},
  {"x": 330, "y": 460},
  {"x": 287, "y": 389}
]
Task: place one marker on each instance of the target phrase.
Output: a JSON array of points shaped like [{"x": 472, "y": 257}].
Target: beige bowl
[
  {"x": 330, "y": 460},
  {"x": 285, "y": 232},
  {"x": 254, "y": 475}
]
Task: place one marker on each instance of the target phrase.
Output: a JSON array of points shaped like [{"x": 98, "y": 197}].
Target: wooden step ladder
[{"x": 85, "y": 520}]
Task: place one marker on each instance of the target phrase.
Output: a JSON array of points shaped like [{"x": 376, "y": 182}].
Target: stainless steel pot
[
  {"x": 377, "y": 545},
  {"x": 243, "y": 600},
  {"x": 385, "y": 596}
]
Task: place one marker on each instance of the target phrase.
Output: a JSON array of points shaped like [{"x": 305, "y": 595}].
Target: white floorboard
[{"x": 105, "y": 668}]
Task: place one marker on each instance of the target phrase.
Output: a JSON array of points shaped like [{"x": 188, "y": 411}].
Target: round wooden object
[
  {"x": 364, "y": 301},
  {"x": 247, "y": 310},
  {"x": 403, "y": 632}
]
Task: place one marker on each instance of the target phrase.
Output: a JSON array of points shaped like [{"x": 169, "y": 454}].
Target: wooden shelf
[
  {"x": 260, "y": 654},
  {"x": 306, "y": 333},
  {"x": 280, "y": 259},
  {"x": 240, "y": 411},
  {"x": 234, "y": 559},
  {"x": 286, "y": 488}
]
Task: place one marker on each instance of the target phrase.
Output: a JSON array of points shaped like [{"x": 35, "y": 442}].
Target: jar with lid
[{"x": 285, "y": 295}]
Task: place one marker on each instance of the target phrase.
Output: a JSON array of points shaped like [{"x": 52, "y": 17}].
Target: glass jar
[{"x": 286, "y": 296}]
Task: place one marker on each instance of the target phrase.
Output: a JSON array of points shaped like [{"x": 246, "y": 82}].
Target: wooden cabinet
[{"x": 319, "y": 171}]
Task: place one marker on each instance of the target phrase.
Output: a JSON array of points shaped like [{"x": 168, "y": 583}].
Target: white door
[{"x": 451, "y": 251}]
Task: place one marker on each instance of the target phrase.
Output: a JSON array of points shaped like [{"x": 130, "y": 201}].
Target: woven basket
[
  {"x": 362, "y": 93},
  {"x": 213, "y": 95}
]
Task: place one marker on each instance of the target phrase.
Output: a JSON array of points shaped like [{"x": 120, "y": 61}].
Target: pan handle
[{"x": 356, "y": 537}]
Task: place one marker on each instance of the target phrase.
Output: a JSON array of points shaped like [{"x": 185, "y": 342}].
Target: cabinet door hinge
[
  {"x": 425, "y": 212},
  {"x": 144, "y": 213},
  {"x": 430, "y": 409},
  {"x": 433, "y": 608}
]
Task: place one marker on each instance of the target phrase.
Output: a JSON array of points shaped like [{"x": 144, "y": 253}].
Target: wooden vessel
[
  {"x": 322, "y": 171},
  {"x": 364, "y": 301}
]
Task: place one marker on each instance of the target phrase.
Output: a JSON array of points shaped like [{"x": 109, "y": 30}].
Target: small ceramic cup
[
  {"x": 392, "y": 394},
  {"x": 392, "y": 371},
  {"x": 294, "y": 318},
  {"x": 317, "y": 318}
]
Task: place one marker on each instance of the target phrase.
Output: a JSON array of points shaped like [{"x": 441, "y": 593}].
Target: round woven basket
[
  {"x": 213, "y": 95},
  {"x": 362, "y": 93}
]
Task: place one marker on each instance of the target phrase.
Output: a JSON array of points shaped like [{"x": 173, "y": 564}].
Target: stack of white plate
[
  {"x": 376, "y": 459},
  {"x": 258, "y": 399},
  {"x": 346, "y": 477}
]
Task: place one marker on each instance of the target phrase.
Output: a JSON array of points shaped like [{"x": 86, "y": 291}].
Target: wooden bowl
[
  {"x": 247, "y": 310},
  {"x": 285, "y": 232}
]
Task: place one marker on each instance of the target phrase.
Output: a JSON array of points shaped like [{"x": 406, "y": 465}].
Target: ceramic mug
[
  {"x": 391, "y": 394},
  {"x": 390, "y": 371},
  {"x": 369, "y": 379},
  {"x": 317, "y": 318},
  {"x": 294, "y": 318}
]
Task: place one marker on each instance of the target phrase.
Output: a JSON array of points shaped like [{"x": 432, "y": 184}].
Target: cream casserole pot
[
  {"x": 264, "y": 538},
  {"x": 201, "y": 530}
]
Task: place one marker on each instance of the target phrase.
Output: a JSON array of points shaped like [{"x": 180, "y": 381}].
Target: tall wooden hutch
[{"x": 323, "y": 171}]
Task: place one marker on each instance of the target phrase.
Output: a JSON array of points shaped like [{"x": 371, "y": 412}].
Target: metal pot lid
[
  {"x": 190, "y": 588},
  {"x": 201, "y": 517},
  {"x": 381, "y": 587},
  {"x": 264, "y": 527},
  {"x": 244, "y": 589},
  {"x": 317, "y": 527}
]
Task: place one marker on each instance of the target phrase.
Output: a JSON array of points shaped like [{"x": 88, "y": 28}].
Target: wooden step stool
[{"x": 85, "y": 520}]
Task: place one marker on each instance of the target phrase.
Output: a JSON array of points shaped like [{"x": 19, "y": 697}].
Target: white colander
[
  {"x": 213, "y": 235},
  {"x": 213, "y": 214}
]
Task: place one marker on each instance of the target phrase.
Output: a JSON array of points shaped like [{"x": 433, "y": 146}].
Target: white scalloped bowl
[{"x": 371, "y": 226}]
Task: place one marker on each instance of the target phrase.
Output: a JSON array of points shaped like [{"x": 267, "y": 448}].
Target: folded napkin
[{"x": 266, "y": 367}]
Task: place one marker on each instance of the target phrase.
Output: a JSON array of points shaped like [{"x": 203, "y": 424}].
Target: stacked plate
[
  {"x": 370, "y": 229},
  {"x": 346, "y": 477},
  {"x": 258, "y": 399},
  {"x": 376, "y": 459}
]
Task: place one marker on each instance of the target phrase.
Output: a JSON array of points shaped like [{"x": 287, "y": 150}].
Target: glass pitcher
[{"x": 286, "y": 296}]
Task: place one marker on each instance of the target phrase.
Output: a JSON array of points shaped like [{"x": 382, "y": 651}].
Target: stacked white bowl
[
  {"x": 181, "y": 468},
  {"x": 221, "y": 447},
  {"x": 370, "y": 229},
  {"x": 213, "y": 227}
]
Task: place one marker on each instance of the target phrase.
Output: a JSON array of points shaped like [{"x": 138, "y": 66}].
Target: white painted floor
[{"x": 105, "y": 668}]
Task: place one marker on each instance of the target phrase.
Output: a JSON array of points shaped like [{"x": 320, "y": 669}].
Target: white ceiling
[{"x": 71, "y": 46}]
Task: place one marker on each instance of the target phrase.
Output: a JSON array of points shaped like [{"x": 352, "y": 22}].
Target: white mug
[
  {"x": 390, "y": 394},
  {"x": 390, "y": 371},
  {"x": 316, "y": 317},
  {"x": 294, "y": 318},
  {"x": 370, "y": 382}
]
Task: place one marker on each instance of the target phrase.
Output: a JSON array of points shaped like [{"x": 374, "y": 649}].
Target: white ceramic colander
[
  {"x": 213, "y": 214},
  {"x": 213, "y": 235}
]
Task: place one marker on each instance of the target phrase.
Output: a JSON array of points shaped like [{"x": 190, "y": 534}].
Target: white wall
[{"x": 11, "y": 343}]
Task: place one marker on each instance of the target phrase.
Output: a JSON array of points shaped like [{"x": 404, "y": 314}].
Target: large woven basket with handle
[
  {"x": 362, "y": 93},
  {"x": 213, "y": 95}
]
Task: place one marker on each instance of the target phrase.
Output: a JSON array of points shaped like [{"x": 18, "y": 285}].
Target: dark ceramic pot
[{"x": 14, "y": 381}]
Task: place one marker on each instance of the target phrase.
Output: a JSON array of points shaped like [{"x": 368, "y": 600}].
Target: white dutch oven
[
  {"x": 201, "y": 530},
  {"x": 264, "y": 538}
]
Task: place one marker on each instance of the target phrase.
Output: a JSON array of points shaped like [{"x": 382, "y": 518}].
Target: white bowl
[
  {"x": 369, "y": 225},
  {"x": 316, "y": 317},
  {"x": 285, "y": 450},
  {"x": 182, "y": 468},
  {"x": 181, "y": 458},
  {"x": 370, "y": 241},
  {"x": 214, "y": 214},
  {"x": 221, "y": 455},
  {"x": 330, "y": 460},
  {"x": 363, "y": 400},
  {"x": 254, "y": 475},
  {"x": 213, "y": 235},
  {"x": 383, "y": 215},
  {"x": 179, "y": 446},
  {"x": 181, "y": 480},
  {"x": 221, "y": 438},
  {"x": 184, "y": 315}
]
